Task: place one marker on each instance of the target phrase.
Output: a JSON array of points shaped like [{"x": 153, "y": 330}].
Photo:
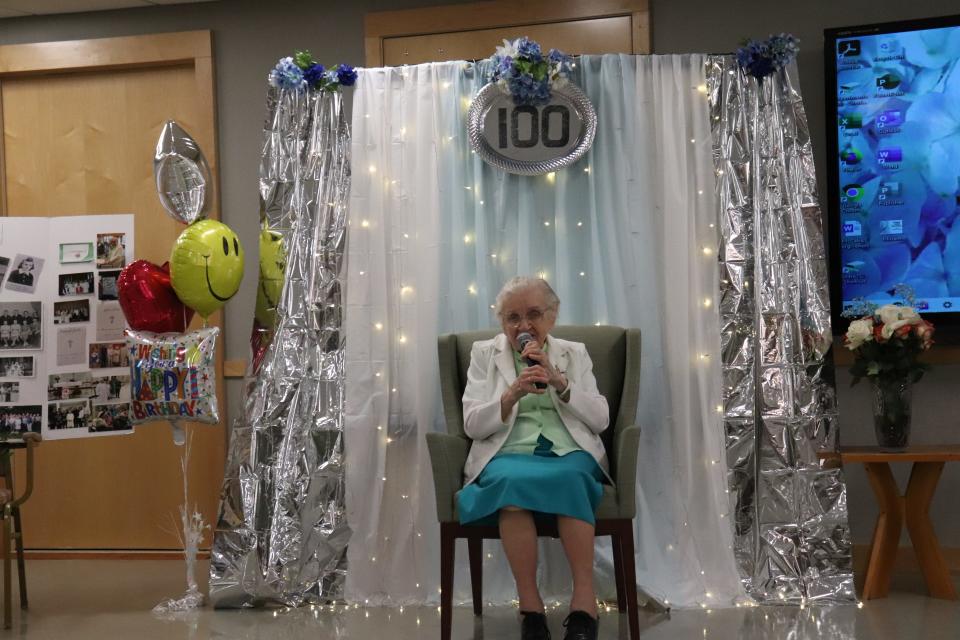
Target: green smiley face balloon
[
  {"x": 206, "y": 266},
  {"x": 272, "y": 265}
]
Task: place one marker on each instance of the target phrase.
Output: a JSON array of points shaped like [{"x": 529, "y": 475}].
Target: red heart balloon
[{"x": 149, "y": 301}]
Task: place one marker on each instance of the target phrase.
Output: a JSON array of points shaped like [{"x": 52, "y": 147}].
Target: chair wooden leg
[
  {"x": 475, "y": 551},
  {"x": 7, "y": 613},
  {"x": 21, "y": 564},
  {"x": 630, "y": 578},
  {"x": 618, "y": 572},
  {"x": 447, "y": 557}
]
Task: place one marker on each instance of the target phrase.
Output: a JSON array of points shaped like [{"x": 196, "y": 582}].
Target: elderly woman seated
[{"x": 532, "y": 409}]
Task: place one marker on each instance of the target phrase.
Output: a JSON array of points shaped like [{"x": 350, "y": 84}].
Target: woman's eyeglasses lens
[{"x": 533, "y": 316}]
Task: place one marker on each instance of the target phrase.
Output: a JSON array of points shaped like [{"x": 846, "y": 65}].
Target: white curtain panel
[{"x": 626, "y": 236}]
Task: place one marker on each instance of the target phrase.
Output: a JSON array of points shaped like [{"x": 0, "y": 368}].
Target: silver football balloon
[{"x": 182, "y": 174}]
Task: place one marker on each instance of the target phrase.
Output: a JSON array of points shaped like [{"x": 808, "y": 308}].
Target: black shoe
[
  {"x": 534, "y": 626},
  {"x": 580, "y": 626}
]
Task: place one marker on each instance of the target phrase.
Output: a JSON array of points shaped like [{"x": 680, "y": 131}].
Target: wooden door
[
  {"x": 80, "y": 140},
  {"x": 472, "y": 31}
]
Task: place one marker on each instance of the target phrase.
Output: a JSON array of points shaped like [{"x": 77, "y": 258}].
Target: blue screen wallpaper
[{"x": 898, "y": 136}]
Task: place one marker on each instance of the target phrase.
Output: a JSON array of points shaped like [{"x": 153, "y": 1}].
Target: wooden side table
[{"x": 912, "y": 508}]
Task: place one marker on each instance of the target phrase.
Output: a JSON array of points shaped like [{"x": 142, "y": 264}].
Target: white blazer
[{"x": 492, "y": 370}]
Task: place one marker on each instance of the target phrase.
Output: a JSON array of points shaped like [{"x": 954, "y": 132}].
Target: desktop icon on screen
[
  {"x": 891, "y": 228},
  {"x": 848, "y": 89},
  {"x": 888, "y": 46},
  {"x": 851, "y": 155},
  {"x": 852, "y": 229},
  {"x": 848, "y": 48},
  {"x": 888, "y": 81},
  {"x": 852, "y": 192},
  {"x": 889, "y": 119},
  {"x": 851, "y": 121},
  {"x": 889, "y": 155},
  {"x": 889, "y": 190}
]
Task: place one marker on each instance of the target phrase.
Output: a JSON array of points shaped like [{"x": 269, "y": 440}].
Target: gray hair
[{"x": 518, "y": 283}]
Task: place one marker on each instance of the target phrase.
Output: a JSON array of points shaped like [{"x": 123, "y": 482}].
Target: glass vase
[{"x": 891, "y": 414}]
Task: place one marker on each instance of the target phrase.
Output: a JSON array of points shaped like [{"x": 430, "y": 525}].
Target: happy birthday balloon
[
  {"x": 181, "y": 173},
  {"x": 148, "y": 300},
  {"x": 206, "y": 266},
  {"x": 172, "y": 376}
]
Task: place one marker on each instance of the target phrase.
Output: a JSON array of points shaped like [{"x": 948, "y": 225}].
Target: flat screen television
[{"x": 893, "y": 136}]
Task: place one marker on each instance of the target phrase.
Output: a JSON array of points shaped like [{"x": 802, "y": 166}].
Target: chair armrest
[
  {"x": 32, "y": 440},
  {"x": 448, "y": 455},
  {"x": 626, "y": 445}
]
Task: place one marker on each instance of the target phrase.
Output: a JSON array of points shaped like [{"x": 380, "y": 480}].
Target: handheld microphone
[{"x": 524, "y": 339}]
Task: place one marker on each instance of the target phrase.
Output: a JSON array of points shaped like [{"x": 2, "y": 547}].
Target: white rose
[
  {"x": 890, "y": 313},
  {"x": 860, "y": 331}
]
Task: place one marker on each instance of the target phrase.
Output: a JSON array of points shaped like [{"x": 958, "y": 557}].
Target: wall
[{"x": 250, "y": 35}]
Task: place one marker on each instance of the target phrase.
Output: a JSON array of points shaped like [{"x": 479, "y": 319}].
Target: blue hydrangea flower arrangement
[
  {"x": 300, "y": 72},
  {"x": 760, "y": 58},
  {"x": 521, "y": 69}
]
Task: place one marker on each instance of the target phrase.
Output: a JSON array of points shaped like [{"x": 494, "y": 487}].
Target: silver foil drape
[
  {"x": 791, "y": 534},
  {"x": 282, "y": 532}
]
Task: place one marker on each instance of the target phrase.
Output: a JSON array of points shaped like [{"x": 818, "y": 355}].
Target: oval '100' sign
[{"x": 529, "y": 139}]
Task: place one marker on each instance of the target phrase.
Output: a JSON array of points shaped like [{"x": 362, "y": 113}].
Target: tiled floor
[{"x": 100, "y": 599}]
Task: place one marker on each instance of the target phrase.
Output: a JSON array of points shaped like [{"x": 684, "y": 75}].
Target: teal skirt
[{"x": 548, "y": 485}]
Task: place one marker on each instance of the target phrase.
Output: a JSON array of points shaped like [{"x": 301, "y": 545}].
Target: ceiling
[{"x": 20, "y": 8}]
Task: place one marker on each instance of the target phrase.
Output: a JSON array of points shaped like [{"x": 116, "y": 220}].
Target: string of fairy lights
[{"x": 402, "y": 291}]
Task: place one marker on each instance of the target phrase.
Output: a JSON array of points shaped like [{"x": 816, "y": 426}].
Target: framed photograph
[
  {"x": 68, "y": 415},
  {"x": 73, "y": 252},
  {"x": 107, "y": 355},
  {"x": 70, "y": 311},
  {"x": 110, "y": 323},
  {"x": 9, "y": 391},
  {"x": 111, "y": 388},
  {"x": 71, "y": 346},
  {"x": 21, "y": 325},
  {"x": 76, "y": 284},
  {"x": 108, "y": 285},
  {"x": 111, "y": 251},
  {"x": 20, "y": 419},
  {"x": 4, "y": 265},
  {"x": 70, "y": 386},
  {"x": 111, "y": 417},
  {"x": 25, "y": 274},
  {"x": 17, "y": 367}
]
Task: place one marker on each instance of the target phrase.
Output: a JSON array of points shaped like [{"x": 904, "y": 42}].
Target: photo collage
[
  {"x": 88, "y": 297},
  {"x": 84, "y": 401},
  {"x": 59, "y": 310},
  {"x": 21, "y": 338}
]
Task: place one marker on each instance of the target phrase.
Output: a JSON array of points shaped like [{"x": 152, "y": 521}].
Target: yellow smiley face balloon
[{"x": 206, "y": 266}]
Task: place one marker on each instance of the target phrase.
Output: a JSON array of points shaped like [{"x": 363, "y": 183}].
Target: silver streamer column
[
  {"x": 791, "y": 534},
  {"x": 282, "y": 533}
]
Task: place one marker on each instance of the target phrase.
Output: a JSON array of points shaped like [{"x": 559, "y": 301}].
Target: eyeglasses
[{"x": 533, "y": 317}]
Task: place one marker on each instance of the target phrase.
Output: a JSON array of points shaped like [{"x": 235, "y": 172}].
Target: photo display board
[{"x": 64, "y": 368}]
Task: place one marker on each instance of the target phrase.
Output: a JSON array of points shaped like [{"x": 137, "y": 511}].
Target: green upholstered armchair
[{"x": 615, "y": 353}]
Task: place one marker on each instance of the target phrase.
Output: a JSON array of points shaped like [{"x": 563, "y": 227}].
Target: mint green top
[{"x": 537, "y": 416}]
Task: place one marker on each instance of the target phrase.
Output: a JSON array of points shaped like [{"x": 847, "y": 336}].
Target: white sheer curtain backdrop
[{"x": 626, "y": 236}]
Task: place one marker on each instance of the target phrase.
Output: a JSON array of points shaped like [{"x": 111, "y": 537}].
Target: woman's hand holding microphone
[{"x": 526, "y": 382}]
